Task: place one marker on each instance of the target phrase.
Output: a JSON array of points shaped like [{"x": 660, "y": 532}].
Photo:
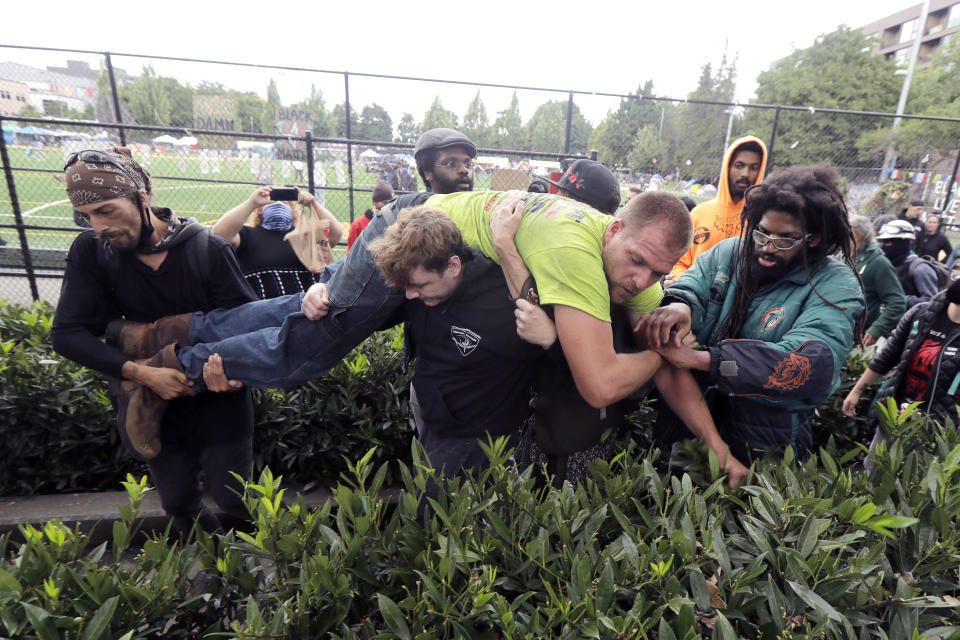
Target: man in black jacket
[
  {"x": 913, "y": 213},
  {"x": 473, "y": 373},
  {"x": 143, "y": 263}
]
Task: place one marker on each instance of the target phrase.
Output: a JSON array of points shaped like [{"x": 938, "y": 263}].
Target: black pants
[{"x": 200, "y": 439}]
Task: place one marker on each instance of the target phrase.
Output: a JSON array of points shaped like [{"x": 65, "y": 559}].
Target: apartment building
[{"x": 898, "y": 31}]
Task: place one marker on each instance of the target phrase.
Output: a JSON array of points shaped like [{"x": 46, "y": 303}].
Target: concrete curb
[{"x": 95, "y": 513}]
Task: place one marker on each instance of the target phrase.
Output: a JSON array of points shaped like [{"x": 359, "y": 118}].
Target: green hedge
[
  {"x": 60, "y": 436},
  {"x": 59, "y": 430},
  {"x": 819, "y": 550}
]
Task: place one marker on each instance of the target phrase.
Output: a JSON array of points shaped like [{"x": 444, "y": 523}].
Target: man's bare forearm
[
  {"x": 514, "y": 270},
  {"x": 682, "y": 394}
]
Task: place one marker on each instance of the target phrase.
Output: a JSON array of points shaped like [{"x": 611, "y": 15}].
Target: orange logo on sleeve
[
  {"x": 771, "y": 318},
  {"x": 790, "y": 373}
]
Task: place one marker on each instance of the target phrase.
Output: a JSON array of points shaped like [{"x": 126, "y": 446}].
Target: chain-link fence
[{"x": 209, "y": 137}]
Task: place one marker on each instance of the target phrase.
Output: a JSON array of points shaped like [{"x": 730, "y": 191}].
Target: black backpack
[{"x": 945, "y": 275}]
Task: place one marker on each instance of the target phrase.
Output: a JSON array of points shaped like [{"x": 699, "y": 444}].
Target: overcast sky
[{"x": 598, "y": 46}]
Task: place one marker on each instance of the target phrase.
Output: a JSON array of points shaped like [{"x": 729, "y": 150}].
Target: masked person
[
  {"x": 923, "y": 350},
  {"x": 918, "y": 279},
  {"x": 141, "y": 263},
  {"x": 881, "y": 287},
  {"x": 270, "y": 264}
]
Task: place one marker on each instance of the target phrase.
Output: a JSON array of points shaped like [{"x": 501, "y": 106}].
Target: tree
[
  {"x": 598, "y": 137},
  {"x": 340, "y": 122},
  {"x": 437, "y": 116},
  {"x": 508, "y": 132},
  {"x": 476, "y": 126},
  {"x": 548, "y": 127},
  {"x": 934, "y": 92},
  {"x": 147, "y": 98},
  {"x": 838, "y": 71},
  {"x": 620, "y": 129},
  {"x": 181, "y": 102},
  {"x": 375, "y": 124},
  {"x": 704, "y": 126},
  {"x": 30, "y": 111},
  {"x": 649, "y": 152},
  {"x": 250, "y": 109},
  {"x": 407, "y": 130},
  {"x": 77, "y": 114},
  {"x": 268, "y": 118},
  {"x": 319, "y": 118}
]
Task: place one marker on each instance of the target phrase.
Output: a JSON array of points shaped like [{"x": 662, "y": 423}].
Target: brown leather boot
[
  {"x": 143, "y": 339},
  {"x": 140, "y": 410}
]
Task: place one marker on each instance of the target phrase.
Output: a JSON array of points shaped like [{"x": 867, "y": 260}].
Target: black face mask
[
  {"x": 953, "y": 292},
  {"x": 895, "y": 250}
]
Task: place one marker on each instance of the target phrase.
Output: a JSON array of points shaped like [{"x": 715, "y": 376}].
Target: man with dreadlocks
[{"x": 774, "y": 313}]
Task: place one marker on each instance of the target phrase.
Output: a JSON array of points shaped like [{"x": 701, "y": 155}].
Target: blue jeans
[{"x": 270, "y": 343}]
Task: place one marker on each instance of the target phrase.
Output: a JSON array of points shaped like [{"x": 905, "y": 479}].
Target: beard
[
  {"x": 620, "y": 292},
  {"x": 737, "y": 189},
  {"x": 122, "y": 242},
  {"x": 764, "y": 275},
  {"x": 461, "y": 183}
]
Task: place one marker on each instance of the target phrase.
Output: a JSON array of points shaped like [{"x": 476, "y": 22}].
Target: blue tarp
[{"x": 31, "y": 130}]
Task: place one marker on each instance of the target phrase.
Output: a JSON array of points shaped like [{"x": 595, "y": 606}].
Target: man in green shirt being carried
[{"x": 581, "y": 259}]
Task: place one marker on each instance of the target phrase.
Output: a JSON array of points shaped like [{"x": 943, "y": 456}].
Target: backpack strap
[{"x": 196, "y": 246}]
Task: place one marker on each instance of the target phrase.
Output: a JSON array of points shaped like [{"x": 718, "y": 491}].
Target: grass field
[{"x": 43, "y": 201}]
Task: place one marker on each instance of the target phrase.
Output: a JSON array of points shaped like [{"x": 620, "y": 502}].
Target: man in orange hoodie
[{"x": 716, "y": 219}]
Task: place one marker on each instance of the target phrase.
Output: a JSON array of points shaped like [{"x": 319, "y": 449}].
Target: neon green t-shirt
[{"x": 560, "y": 241}]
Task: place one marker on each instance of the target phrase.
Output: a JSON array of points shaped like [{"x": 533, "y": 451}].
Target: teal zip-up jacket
[{"x": 787, "y": 359}]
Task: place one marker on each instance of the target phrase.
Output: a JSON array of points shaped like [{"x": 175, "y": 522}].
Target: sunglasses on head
[{"x": 91, "y": 155}]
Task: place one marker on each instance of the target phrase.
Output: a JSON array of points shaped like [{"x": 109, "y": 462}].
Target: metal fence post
[
  {"x": 566, "y": 142},
  {"x": 15, "y": 205},
  {"x": 116, "y": 99},
  {"x": 346, "y": 115},
  {"x": 950, "y": 183},
  {"x": 309, "y": 145},
  {"x": 773, "y": 138}
]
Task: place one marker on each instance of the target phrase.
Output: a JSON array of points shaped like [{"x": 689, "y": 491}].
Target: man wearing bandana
[{"x": 139, "y": 262}]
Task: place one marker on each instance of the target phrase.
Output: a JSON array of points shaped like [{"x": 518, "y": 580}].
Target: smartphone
[{"x": 290, "y": 194}]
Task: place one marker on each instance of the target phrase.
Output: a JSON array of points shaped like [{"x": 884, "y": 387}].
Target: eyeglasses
[
  {"x": 456, "y": 164},
  {"x": 779, "y": 242},
  {"x": 91, "y": 155}
]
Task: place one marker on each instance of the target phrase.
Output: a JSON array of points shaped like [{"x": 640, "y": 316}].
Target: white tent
[
  {"x": 254, "y": 144},
  {"x": 546, "y": 164},
  {"x": 493, "y": 161},
  {"x": 186, "y": 141},
  {"x": 165, "y": 139},
  {"x": 369, "y": 153}
]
